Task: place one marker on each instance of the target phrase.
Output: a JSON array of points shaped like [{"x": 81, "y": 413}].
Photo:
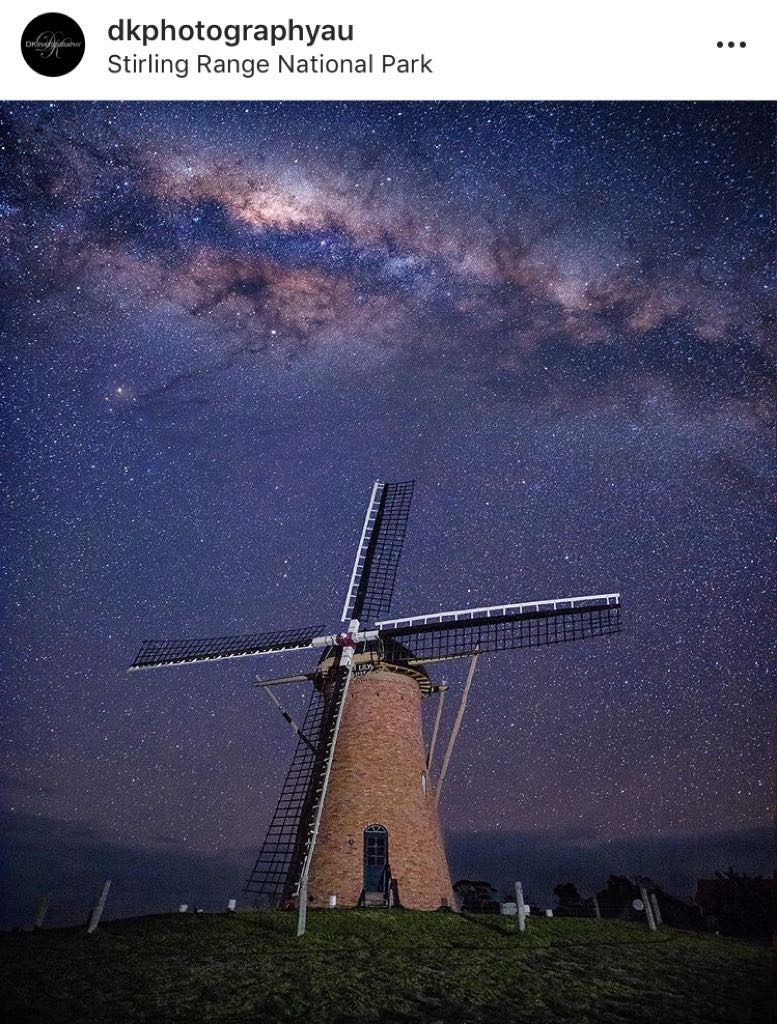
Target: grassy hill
[{"x": 355, "y": 966}]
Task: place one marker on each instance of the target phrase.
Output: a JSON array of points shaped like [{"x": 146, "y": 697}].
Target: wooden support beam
[
  {"x": 437, "y": 717},
  {"x": 656, "y": 909},
  {"x": 456, "y": 726},
  {"x": 294, "y": 727},
  {"x": 648, "y": 908},
  {"x": 519, "y": 908},
  {"x": 43, "y": 909},
  {"x": 99, "y": 906},
  {"x": 280, "y": 680},
  {"x": 302, "y": 910}
]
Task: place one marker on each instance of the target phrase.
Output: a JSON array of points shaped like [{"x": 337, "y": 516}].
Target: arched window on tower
[{"x": 375, "y": 857}]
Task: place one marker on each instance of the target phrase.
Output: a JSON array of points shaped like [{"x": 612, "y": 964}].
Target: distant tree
[
  {"x": 738, "y": 904},
  {"x": 476, "y": 896},
  {"x": 676, "y": 912},
  {"x": 570, "y": 902},
  {"x": 567, "y": 894},
  {"x": 615, "y": 900},
  {"x": 647, "y": 882}
]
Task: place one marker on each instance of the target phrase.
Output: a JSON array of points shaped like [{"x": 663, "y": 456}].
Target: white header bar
[
  {"x": 498, "y": 610},
  {"x": 341, "y": 49},
  {"x": 361, "y": 550}
]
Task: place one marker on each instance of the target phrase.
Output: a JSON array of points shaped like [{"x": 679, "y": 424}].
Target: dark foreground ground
[{"x": 355, "y": 966}]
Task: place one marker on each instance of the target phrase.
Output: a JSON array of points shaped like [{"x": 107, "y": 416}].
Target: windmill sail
[
  {"x": 286, "y": 853},
  {"x": 441, "y": 636},
  {"x": 341, "y": 674},
  {"x": 157, "y": 653},
  {"x": 277, "y": 867},
  {"x": 374, "y": 572}
]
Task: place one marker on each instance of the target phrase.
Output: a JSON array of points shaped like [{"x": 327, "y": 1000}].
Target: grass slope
[{"x": 355, "y": 966}]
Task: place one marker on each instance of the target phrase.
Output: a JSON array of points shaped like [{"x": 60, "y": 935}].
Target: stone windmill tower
[{"x": 357, "y": 817}]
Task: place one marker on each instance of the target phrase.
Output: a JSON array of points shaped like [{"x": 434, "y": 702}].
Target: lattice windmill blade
[
  {"x": 159, "y": 653},
  {"x": 442, "y": 636},
  {"x": 344, "y": 670},
  {"x": 284, "y": 859},
  {"x": 371, "y": 586}
]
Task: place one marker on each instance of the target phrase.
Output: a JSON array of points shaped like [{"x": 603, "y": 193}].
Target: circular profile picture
[{"x": 53, "y": 44}]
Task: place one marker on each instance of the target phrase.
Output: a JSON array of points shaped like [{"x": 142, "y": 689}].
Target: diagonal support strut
[
  {"x": 456, "y": 726},
  {"x": 435, "y": 730},
  {"x": 295, "y": 728}
]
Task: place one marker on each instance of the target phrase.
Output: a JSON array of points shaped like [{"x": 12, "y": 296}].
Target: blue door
[{"x": 375, "y": 857}]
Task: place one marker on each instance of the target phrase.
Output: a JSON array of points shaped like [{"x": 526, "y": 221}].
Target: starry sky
[{"x": 222, "y": 322}]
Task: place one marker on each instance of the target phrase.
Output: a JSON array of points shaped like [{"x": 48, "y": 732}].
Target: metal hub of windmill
[{"x": 369, "y": 641}]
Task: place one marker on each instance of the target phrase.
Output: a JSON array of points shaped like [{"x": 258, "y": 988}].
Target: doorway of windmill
[{"x": 375, "y": 857}]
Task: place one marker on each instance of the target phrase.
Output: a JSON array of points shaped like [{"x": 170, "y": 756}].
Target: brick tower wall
[{"x": 377, "y": 778}]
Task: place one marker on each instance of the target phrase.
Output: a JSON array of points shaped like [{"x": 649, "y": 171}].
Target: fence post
[
  {"x": 597, "y": 912},
  {"x": 302, "y": 910},
  {"x": 648, "y": 909},
  {"x": 97, "y": 909},
  {"x": 656, "y": 909},
  {"x": 519, "y": 905},
  {"x": 43, "y": 909}
]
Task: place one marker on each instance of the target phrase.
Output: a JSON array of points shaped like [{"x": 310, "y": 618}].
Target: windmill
[{"x": 357, "y": 818}]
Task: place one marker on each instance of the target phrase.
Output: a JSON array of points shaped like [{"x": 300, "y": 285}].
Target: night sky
[{"x": 222, "y": 322}]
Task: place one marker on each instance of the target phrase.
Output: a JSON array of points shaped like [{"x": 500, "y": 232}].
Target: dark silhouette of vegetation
[
  {"x": 567, "y": 893},
  {"x": 476, "y": 897},
  {"x": 570, "y": 902},
  {"x": 738, "y": 904},
  {"x": 617, "y": 898},
  {"x": 731, "y": 903}
]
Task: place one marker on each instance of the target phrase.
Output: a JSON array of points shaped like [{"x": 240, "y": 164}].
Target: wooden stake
[
  {"x": 43, "y": 909},
  {"x": 456, "y": 726},
  {"x": 648, "y": 909},
  {"x": 99, "y": 906},
  {"x": 656, "y": 909},
  {"x": 302, "y": 911},
  {"x": 519, "y": 905},
  {"x": 436, "y": 729}
]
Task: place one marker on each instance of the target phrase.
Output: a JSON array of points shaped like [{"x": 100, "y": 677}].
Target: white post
[
  {"x": 302, "y": 912},
  {"x": 519, "y": 907},
  {"x": 648, "y": 909},
  {"x": 656, "y": 909},
  {"x": 597, "y": 912},
  {"x": 231, "y": 905},
  {"x": 97, "y": 909},
  {"x": 43, "y": 909}
]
